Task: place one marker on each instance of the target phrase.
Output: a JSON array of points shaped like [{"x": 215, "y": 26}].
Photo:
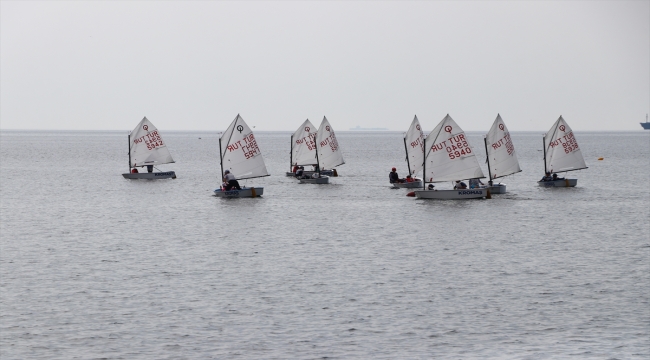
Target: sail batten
[
  {"x": 449, "y": 155},
  {"x": 561, "y": 149},
  {"x": 414, "y": 144},
  {"x": 147, "y": 146},
  {"x": 329, "y": 152},
  {"x": 501, "y": 155},
  {"x": 240, "y": 153}
]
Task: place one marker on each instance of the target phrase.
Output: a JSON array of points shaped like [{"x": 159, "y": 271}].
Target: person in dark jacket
[{"x": 394, "y": 178}]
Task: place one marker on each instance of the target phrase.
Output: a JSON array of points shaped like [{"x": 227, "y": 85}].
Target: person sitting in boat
[
  {"x": 547, "y": 177},
  {"x": 555, "y": 177},
  {"x": 393, "y": 177},
  {"x": 460, "y": 185},
  {"x": 475, "y": 183},
  {"x": 295, "y": 168},
  {"x": 229, "y": 178},
  {"x": 299, "y": 171},
  {"x": 409, "y": 179},
  {"x": 134, "y": 171},
  {"x": 431, "y": 186},
  {"x": 150, "y": 168}
]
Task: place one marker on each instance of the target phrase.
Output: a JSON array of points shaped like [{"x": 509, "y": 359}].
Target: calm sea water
[{"x": 96, "y": 266}]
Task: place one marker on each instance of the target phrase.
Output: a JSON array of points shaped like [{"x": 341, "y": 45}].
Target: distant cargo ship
[
  {"x": 646, "y": 124},
  {"x": 368, "y": 129}
]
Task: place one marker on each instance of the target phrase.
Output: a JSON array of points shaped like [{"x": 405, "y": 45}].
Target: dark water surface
[{"x": 96, "y": 266}]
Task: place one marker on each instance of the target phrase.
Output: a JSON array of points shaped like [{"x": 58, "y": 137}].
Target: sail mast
[
  {"x": 129, "y": 139},
  {"x": 291, "y": 154},
  {"x": 487, "y": 155},
  {"x": 424, "y": 166},
  {"x": 408, "y": 163},
  {"x": 220, "y": 159},
  {"x": 544, "y": 147},
  {"x": 317, "y": 162}
]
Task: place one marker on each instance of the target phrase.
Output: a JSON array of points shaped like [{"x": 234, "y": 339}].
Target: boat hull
[
  {"x": 559, "y": 183},
  {"x": 451, "y": 194},
  {"x": 245, "y": 192},
  {"x": 320, "y": 180},
  {"x": 497, "y": 189},
  {"x": 408, "y": 185},
  {"x": 150, "y": 176},
  {"x": 310, "y": 173}
]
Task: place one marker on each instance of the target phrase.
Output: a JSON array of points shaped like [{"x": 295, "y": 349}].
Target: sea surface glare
[{"x": 97, "y": 266}]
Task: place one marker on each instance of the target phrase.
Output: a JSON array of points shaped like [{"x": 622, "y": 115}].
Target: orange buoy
[{"x": 601, "y": 158}]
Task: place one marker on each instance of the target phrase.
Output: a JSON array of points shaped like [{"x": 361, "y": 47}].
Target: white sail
[
  {"x": 147, "y": 146},
  {"x": 240, "y": 153},
  {"x": 329, "y": 152},
  {"x": 561, "y": 149},
  {"x": 303, "y": 148},
  {"x": 414, "y": 143},
  {"x": 448, "y": 154},
  {"x": 501, "y": 156}
]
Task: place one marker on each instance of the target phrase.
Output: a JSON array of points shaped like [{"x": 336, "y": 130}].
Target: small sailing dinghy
[
  {"x": 414, "y": 147},
  {"x": 561, "y": 154},
  {"x": 328, "y": 153},
  {"x": 239, "y": 153},
  {"x": 303, "y": 149},
  {"x": 501, "y": 157},
  {"x": 146, "y": 148},
  {"x": 448, "y": 157}
]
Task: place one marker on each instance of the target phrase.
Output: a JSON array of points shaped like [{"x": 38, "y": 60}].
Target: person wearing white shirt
[{"x": 230, "y": 179}]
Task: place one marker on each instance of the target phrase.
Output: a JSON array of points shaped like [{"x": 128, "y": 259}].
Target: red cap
[{"x": 394, "y": 169}]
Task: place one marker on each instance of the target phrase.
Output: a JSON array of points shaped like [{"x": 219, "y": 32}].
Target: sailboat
[
  {"x": 501, "y": 157},
  {"x": 328, "y": 153},
  {"x": 414, "y": 147},
  {"x": 561, "y": 154},
  {"x": 239, "y": 153},
  {"x": 146, "y": 148},
  {"x": 448, "y": 157},
  {"x": 303, "y": 149}
]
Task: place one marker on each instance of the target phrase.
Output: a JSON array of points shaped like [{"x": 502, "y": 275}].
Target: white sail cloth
[
  {"x": 414, "y": 143},
  {"x": 561, "y": 149},
  {"x": 303, "y": 145},
  {"x": 329, "y": 152},
  {"x": 501, "y": 156},
  {"x": 240, "y": 153},
  {"x": 147, "y": 146},
  {"x": 448, "y": 154}
]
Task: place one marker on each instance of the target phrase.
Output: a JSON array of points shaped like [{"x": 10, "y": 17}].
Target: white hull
[
  {"x": 151, "y": 176},
  {"x": 559, "y": 183},
  {"x": 451, "y": 194},
  {"x": 310, "y": 173},
  {"x": 409, "y": 185},
  {"x": 320, "y": 180},
  {"x": 243, "y": 193},
  {"x": 497, "y": 189}
]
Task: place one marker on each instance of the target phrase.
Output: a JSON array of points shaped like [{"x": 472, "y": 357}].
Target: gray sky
[{"x": 196, "y": 65}]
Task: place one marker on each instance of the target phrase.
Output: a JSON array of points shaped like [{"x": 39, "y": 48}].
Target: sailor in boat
[
  {"x": 547, "y": 177},
  {"x": 409, "y": 179},
  {"x": 150, "y": 168},
  {"x": 393, "y": 177},
  {"x": 134, "y": 171},
  {"x": 431, "y": 186},
  {"x": 475, "y": 183},
  {"x": 555, "y": 177},
  {"x": 299, "y": 171},
  {"x": 460, "y": 185},
  {"x": 231, "y": 181}
]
